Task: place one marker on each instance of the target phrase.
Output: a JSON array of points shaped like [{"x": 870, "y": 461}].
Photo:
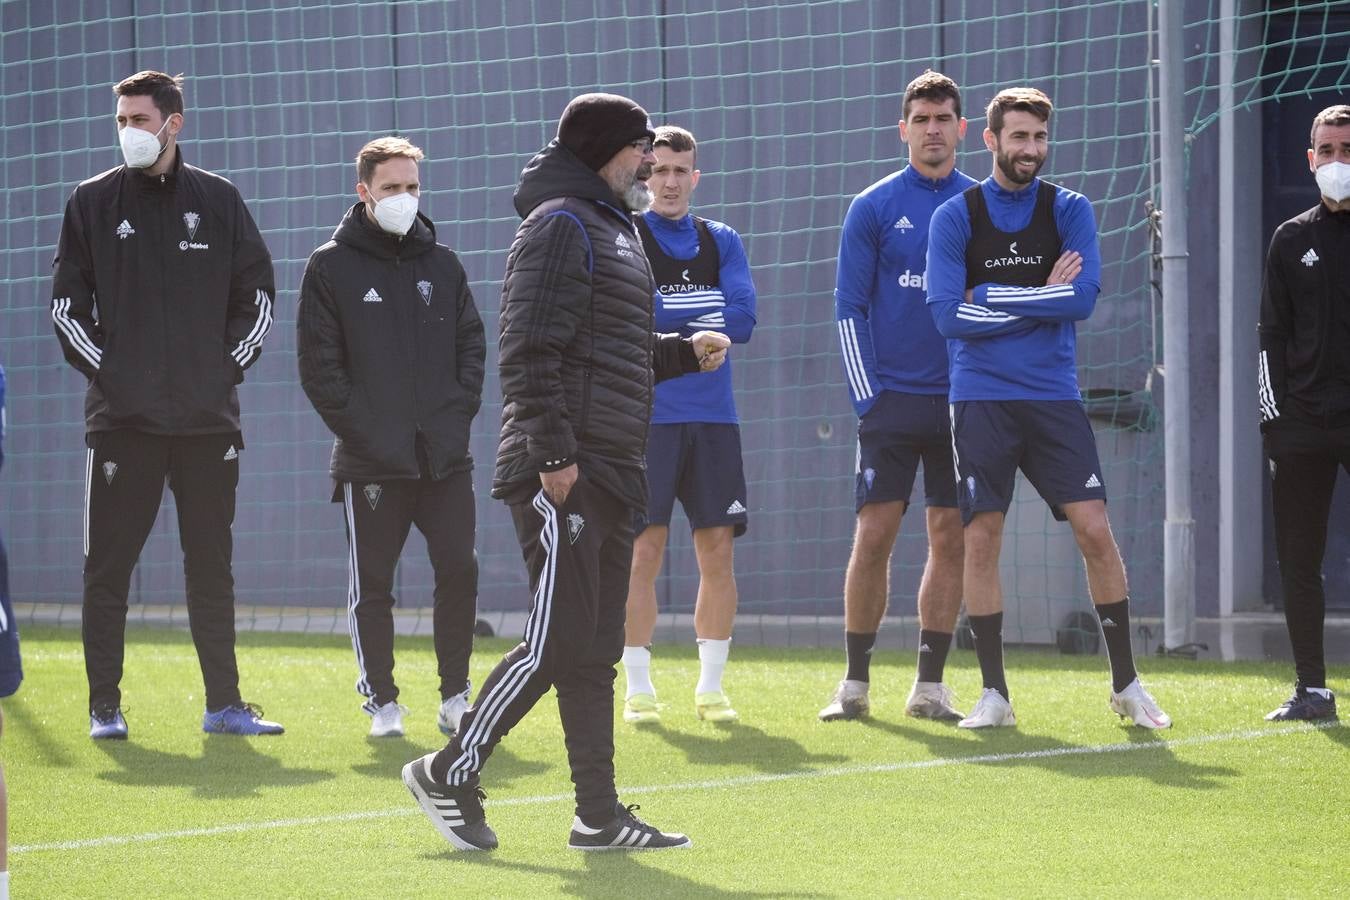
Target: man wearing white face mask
[
  {"x": 137, "y": 242},
  {"x": 1304, "y": 382},
  {"x": 391, "y": 354}
]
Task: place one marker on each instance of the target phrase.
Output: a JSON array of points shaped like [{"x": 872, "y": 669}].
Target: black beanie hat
[{"x": 596, "y": 126}]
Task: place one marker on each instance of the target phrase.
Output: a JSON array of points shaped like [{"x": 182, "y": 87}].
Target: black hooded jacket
[
  {"x": 577, "y": 353},
  {"x": 391, "y": 351}
]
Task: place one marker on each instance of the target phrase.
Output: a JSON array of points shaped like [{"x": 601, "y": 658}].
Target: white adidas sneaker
[
  {"x": 1138, "y": 705},
  {"x": 992, "y": 710},
  {"x": 932, "y": 700},
  {"x": 387, "y": 721},
  {"x": 849, "y": 702},
  {"x": 452, "y": 710}
]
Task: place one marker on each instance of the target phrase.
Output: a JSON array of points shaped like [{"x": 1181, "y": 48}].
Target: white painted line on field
[{"x": 739, "y": 781}]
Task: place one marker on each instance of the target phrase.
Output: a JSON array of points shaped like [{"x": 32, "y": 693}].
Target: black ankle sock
[
  {"x": 933, "y": 647},
  {"x": 988, "y": 631},
  {"x": 440, "y": 764},
  {"x": 858, "y": 646},
  {"x": 1115, "y": 619},
  {"x": 600, "y": 818}
]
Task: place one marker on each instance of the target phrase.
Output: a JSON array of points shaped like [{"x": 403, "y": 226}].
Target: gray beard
[{"x": 638, "y": 198}]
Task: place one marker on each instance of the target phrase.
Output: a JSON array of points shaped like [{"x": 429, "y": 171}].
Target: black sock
[
  {"x": 858, "y": 646},
  {"x": 440, "y": 764},
  {"x": 988, "y": 631},
  {"x": 1115, "y": 619},
  {"x": 933, "y": 647}
]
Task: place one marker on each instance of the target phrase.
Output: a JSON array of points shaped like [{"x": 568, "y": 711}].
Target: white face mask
[
  {"x": 1334, "y": 180},
  {"x": 397, "y": 213},
  {"x": 141, "y": 148}
]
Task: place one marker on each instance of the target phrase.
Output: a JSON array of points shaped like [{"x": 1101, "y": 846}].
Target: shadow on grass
[
  {"x": 230, "y": 766},
  {"x": 1146, "y": 755},
  {"x": 617, "y": 874},
  {"x": 48, "y": 750},
  {"x": 389, "y": 755},
  {"x": 738, "y": 744},
  {"x": 1337, "y": 731}
]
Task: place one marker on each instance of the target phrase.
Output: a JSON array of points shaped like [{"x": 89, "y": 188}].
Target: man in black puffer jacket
[
  {"x": 391, "y": 355},
  {"x": 578, "y": 360}
]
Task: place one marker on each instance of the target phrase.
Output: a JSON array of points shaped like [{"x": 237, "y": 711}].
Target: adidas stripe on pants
[{"x": 578, "y": 556}]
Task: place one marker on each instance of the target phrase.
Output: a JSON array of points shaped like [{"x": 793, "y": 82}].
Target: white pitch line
[{"x": 717, "y": 783}]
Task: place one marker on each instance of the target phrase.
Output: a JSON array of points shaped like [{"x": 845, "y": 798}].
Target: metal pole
[
  {"x": 1240, "y": 255},
  {"x": 1179, "y": 528}
]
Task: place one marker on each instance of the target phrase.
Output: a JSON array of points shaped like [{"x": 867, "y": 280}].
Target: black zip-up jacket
[
  {"x": 391, "y": 351},
  {"x": 577, "y": 352},
  {"x": 1304, "y": 365},
  {"x": 161, "y": 295}
]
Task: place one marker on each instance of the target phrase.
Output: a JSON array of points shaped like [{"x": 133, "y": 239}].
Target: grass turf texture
[{"x": 1069, "y": 803}]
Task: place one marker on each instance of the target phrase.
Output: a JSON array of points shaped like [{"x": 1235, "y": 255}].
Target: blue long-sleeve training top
[
  {"x": 886, "y": 333},
  {"x": 729, "y": 308},
  {"x": 1011, "y": 342}
]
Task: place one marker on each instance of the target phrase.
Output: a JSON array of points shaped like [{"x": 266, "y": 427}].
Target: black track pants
[
  {"x": 578, "y": 556},
  {"x": 378, "y": 517},
  {"x": 1304, "y": 460},
  {"x": 124, "y": 483}
]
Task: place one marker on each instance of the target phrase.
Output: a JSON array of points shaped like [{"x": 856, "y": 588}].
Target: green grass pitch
[{"x": 1069, "y": 803}]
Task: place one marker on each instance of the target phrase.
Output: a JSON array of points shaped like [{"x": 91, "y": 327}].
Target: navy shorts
[
  {"x": 700, "y": 464},
  {"x": 898, "y": 432},
  {"x": 1051, "y": 441},
  {"x": 11, "y": 669}
]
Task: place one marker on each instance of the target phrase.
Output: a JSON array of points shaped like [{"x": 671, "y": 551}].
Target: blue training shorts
[
  {"x": 700, "y": 464},
  {"x": 897, "y": 433},
  {"x": 1051, "y": 441}
]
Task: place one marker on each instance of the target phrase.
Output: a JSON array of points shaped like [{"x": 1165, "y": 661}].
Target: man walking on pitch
[
  {"x": 694, "y": 447},
  {"x": 391, "y": 355},
  {"x": 896, "y": 364},
  {"x": 1304, "y": 380},
  {"x": 1013, "y": 263},
  {"x": 161, "y": 297},
  {"x": 578, "y": 359}
]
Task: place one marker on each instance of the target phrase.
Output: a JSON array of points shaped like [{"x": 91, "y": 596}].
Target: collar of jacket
[
  {"x": 556, "y": 172},
  {"x": 358, "y": 232},
  {"x": 167, "y": 182}
]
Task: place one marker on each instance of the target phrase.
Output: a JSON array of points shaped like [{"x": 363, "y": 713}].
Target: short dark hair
[
  {"x": 933, "y": 86},
  {"x": 1332, "y": 115},
  {"x": 1023, "y": 99},
  {"x": 165, "y": 90},
  {"x": 677, "y": 139},
  {"x": 380, "y": 150}
]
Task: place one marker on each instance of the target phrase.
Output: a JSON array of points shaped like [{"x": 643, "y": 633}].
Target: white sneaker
[
  {"x": 932, "y": 700},
  {"x": 452, "y": 710},
  {"x": 992, "y": 710},
  {"x": 387, "y": 721},
  {"x": 1135, "y": 703},
  {"x": 849, "y": 702}
]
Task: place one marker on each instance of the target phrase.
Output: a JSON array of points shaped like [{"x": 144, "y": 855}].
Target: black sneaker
[
  {"x": 626, "y": 832},
  {"x": 457, "y": 812},
  {"x": 106, "y": 723},
  {"x": 1305, "y": 705}
]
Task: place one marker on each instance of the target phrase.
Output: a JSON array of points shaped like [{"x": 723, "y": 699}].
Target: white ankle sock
[
  {"x": 637, "y": 667},
  {"x": 712, "y": 657}
]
